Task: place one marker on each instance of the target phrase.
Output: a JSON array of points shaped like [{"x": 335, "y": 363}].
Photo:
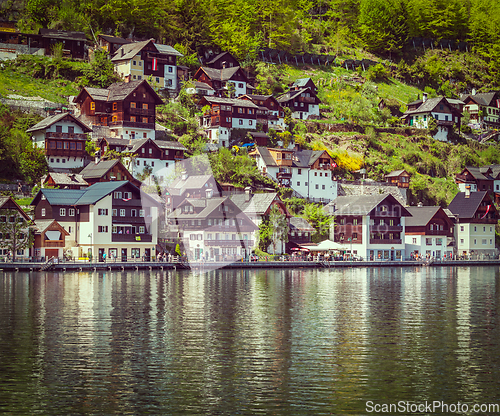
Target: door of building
[{"x": 124, "y": 254}]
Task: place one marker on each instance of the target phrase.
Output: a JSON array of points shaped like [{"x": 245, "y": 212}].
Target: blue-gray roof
[{"x": 87, "y": 196}]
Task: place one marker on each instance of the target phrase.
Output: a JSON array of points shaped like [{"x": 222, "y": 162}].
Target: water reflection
[{"x": 241, "y": 341}]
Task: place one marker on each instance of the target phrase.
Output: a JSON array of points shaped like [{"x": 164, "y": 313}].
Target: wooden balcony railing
[
  {"x": 54, "y": 135},
  {"x": 385, "y": 241},
  {"x": 53, "y": 243},
  {"x": 131, "y": 238},
  {"x": 385, "y": 228}
]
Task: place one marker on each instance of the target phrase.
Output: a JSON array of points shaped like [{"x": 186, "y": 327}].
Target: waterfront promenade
[{"x": 181, "y": 265}]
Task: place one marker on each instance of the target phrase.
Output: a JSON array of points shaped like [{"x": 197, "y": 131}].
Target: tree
[
  {"x": 15, "y": 233},
  {"x": 319, "y": 219},
  {"x": 101, "y": 71},
  {"x": 278, "y": 227}
]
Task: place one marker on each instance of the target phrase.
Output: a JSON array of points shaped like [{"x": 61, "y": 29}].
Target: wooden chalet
[
  {"x": 401, "y": 178},
  {"x": 50, "y": 239},
  {"x": 476, "y": 179},
  {"x": 106, "y": 171},
  {"x": 64, "y": 181},
  {"x": 111, "y": 43},
  {"x": 218, "y": 79},
  {"x": 124, "y": 107},
  {"x": 222, "y": 60}
]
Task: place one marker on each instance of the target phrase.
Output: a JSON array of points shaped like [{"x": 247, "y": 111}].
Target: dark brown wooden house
[
  {"x": 222, "y": 60},
  {"x": 106, "y": 171},
  {"x": 401, "y": 178}
]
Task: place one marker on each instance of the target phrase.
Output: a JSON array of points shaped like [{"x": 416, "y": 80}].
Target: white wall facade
[
  {"x": 243, "y": 123},
  {"x": 240, "y": 88},
  {"x": 473, "y": 186},
  {"x": 131, "y": 133},
  {"x": 435, "y": 246},
  {"x": 475, "y": 239}
]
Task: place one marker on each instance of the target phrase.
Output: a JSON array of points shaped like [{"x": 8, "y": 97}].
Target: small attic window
[{"x": 43, "y": 198}]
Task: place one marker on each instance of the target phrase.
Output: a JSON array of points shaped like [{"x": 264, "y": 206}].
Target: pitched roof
[
  {"x": 97, "y": 94},
  {"x": 301, "y": 82},
  {"x": 114, "y": 39},
  {"x": 420, "y": 215},
  {"x": 305, "y": 158},
  {"x": 167, "y": 50},
  {"x": 266, "y": 156},
  {"x": 165, "y": 144},
  {"x": 130, "y": 50},
  {"x": 93, "y": 170},
  {"x": 42, "y": 225},
  {"x": 47, "y": 122},
  {"x": 62, "y": 34},
  {"x": 119, "y": 91},
  {"x": 202, "y": 85},
  {"x": 5, "y": 199},
  {"x": 257, "y": 204},
  {"x": 395, "y": 173},
  {"x": 477, "y": 174},
  {"x": 466, "y": 207},
  {"x": 66, "y": 179},
  {"x": 217, "y": 57},
  {"x": 180, "y": 185},
  {"x": 207, "y": 205},
  {"x": 483, "y": 98},
  {"x": 87, "y": 196},
  {"x": 220, "y": 74},
  {"x": 361, "y": 204},
  {"x": 230, "y": 101},
  {"x": 429, "y": 105},
  {"x": 292, "y": 94}
]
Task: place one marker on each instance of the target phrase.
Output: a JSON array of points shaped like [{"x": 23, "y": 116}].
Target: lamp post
[{"x": 91, "y": 247}]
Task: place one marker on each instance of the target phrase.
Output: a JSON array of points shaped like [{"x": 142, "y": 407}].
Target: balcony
[
  {"x": 385, "y": 228},
  {"x": 387, "y": 241},
  {"x": 132, "y": 124},
  {"x": 65, "y": 152},
  {"x": 284, "y": 175},
  {"x": 54, "y": 135},
  {"x": 131, "y": 238},
  {"x": 229, "y": 243},
  {"x": 142, "y": 111},
  {"x": 284, "y": 162},
  {"x": 53, "y": 243},
  {"x": 310, "y": 100}
]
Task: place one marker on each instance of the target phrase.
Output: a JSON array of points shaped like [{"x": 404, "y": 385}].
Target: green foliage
[
  {"x": 377, "y": 73},
  {"x": 91, "y": 147},
  {"x": 320, "y": 221},
  {"x": 278, "y": 227},
  {"x": 16, "y": 235},
  {"x": 101, "y": 71}
]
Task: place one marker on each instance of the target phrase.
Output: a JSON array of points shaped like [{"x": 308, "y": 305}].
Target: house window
[
  {"x": 62, "y": 212},
  {"x": 114, "y": 119},
  {"x": 141, "y": 213},
  {"x": 102, "y": 211},
  {"x": 428, "y": 241},
  {"x": 114, "y": 212},
  {"x": 102, "y": 229},
  {"x": 354, "y": 236},
  {"x": 240, "y": 85},
  {"x": 133, "y": 213},
  {"x": 439, "y": 241},
  {"x": 249, "y": 122},
  {"x": 134, "y": 63},
  {"x": 122, "y": 212},
  {"x": 115, "y": 106},
  {"x": 117, "y": 195},
  {"x": 144, "y": 120},
  {"x": 170, "y": 69},
  {"x": 298, "y": 183},
  {"x": 43, "y": 212},
  {"x": 240, "y": 122},
  {"x": 141, "y": 229},
  {"x": 414, "y": 240},
  {"x": 71, "y": 212},
  {"x": 92, "y": 106},
  {"x": 132, "y": 119},
  {"x": 461, "y": 228},
  {"x": 322, "y": 186}
]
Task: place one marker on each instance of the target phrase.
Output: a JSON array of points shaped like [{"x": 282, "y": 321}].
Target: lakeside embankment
[{"x": 91, "y": 266}]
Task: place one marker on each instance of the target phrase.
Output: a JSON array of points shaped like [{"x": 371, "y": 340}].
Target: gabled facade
[
  {"x": 147, "y": 60},
  {"x": 308, "y": 172},
  {"x": 219, "y": 79},
  {"x": 476, "y": 217},
  {"x": 213, "y": 229},
  {"x": 226, "y": 114},
  {"x": 370, "y": 226},
  {"x": 258, "y": 206},
  {"x": 64, "y": 181},
  {"x": 128, "y": 109},
  {"x": 475, "y": 179},
  {"x": 401, "y": 178},
  {"x": 74, "y": 43},
  {"x": 484, "y": 108},
  {"x": 111, "y": 44},
  {"x": 115, "y": 218},
  {"x": 429, "y": 233},
  {"x": 107, "y": 171},
  {"x": 303, "y": 102},
  {"x": 270, "y": 113},
  {"x": 63, "y": 137},
  {"x": 301, "y": 232},
  {"x": 222, "y": 60},
  {"x": 50, "y": 239},
  {"x": 446, "y": 115}
]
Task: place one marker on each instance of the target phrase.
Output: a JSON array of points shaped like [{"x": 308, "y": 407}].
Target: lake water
[{"x": 228, "y": 342}]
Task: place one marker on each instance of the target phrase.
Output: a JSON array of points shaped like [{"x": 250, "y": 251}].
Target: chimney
[
  {"x": 248, "y": 194},
  {"x": 209, "y": 193},
  {"x": 467, "y": 191},
  {"x": 184, "y": 176},
  {"x": 420, "y": 205},
  {"x": 424, "y": 97},
  {"x": 473, "y": 91}
]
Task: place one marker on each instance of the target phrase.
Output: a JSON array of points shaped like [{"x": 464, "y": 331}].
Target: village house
[
  {"x": 147, "y": 60},
  {"x": 270, "y": 113},
  {"x": 476, "y": 217},
  {"x": 429, "y": 233},
  {"x": 401, "y": 178},
  {"x": 222, "y": 60},
  {"x": 308, "y": 172},
  {"x": 301, "y": 99},
  {"x": 106, "y": 171},
  {"x": 301, "y": 232},
  {"x": 369, "y": 226},
  {"x": 50, "y": 239},
  {"x": 475, "y": 179},
  {"x": 420, "y": 112},
  {"x": 63, "y": 137},
  {"x": 219, "y": 80},
  {"x": 213, "y": 229},
  {"x": 11, "y": 213},
  {"x": 226, "y": 114},
  {"x": 64, "y": 181},
  {"x": 127, "y": 109},
  {"x": 111, "y": 44},
  {"x": 484, "y": 108},
  {"x": 112, "y": 218},
  {"x": 200, "y": 89}
]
